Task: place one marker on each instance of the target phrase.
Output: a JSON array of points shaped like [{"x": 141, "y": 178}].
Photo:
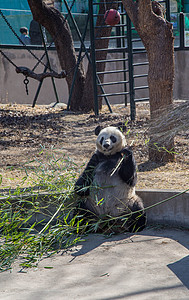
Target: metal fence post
[
  {"x": 168, "y": 12},
  {"x": 181, "y": 27},
  {"x": 93, "y": 57},
  {"x": 130, "y": 64}
]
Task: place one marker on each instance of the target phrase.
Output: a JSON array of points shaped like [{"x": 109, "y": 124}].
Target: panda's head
[{"x": 110, "y": 140}]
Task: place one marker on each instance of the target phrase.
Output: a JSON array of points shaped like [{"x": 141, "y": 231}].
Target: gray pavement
[{"x": 153, "y": 264}]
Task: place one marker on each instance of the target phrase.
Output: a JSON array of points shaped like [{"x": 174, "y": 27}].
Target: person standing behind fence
[{"x": 24, "y": 36}]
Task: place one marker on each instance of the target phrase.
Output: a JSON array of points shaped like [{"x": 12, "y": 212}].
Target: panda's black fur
[{"x": 105, "y": 192}]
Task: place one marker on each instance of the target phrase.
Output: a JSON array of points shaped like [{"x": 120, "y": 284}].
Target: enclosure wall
[{"x": 12, "y": 89}]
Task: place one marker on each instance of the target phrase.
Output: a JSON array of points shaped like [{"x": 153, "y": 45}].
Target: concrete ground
[{"x": 153, "y": 264}]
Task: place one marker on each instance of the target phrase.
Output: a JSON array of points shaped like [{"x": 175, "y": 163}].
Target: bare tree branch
[{"x": 27, "y": 72}]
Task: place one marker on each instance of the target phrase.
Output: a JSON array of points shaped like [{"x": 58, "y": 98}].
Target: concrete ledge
[
  {"x": 47, "y": 204},
  {"x": 174, "y": 212}
]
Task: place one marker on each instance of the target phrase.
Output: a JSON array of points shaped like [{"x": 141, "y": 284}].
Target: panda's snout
[{"x": 106, "y": 145}]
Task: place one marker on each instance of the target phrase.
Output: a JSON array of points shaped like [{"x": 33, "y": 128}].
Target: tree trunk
[
  {"x": 157, "y": 36},
  {"x": 53, "y": 21}
]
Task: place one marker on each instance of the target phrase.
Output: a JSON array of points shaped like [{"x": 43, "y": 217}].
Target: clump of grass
[{"x": 38, "y": 221}]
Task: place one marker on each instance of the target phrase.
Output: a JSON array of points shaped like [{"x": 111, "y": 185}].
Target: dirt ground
[{"x": 24, "y": 130}]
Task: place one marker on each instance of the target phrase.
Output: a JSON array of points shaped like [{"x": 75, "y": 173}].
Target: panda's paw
[{"x": 126, "y": 152}]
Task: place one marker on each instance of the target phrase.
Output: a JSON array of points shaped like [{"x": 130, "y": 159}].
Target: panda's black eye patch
[
  {"x": 101, "y": 140},
  {"x": 113, "y": 139}
]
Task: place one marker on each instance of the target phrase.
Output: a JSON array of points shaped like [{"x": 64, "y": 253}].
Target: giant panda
[{"x": 107, "y": 185}]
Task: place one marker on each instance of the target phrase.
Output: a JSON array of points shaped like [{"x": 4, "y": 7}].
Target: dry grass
[
  {"x": 24, "y": 132},
  {"x": 171, "y": 122}
]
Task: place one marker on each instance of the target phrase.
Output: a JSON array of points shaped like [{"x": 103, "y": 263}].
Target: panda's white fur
[
  {"x": 106, "y": 192},
  {"x": 107, "y": 146},
  {"x": 108, "y": 195}
]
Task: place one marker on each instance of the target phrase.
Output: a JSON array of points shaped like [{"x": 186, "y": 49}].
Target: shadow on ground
[{"x": 180, "y": 268}]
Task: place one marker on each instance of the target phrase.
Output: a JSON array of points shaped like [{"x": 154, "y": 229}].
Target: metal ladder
[{"x": 130, "y": 84}]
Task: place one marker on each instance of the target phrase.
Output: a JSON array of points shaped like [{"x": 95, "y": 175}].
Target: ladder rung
[
  {"x": 111, "y": 37},
  {"x": 112, "y": 71},
  {"x": 114, "y": 82},
  {"x": 136, "y": 40},
  {"x": 109, "y": 49},
  {"x": 138, "y": 51},
  {"x": 141, "y": 64},
  {"x": 139, "y": 76},
  {"x": 104, "y": 26},
  {"x": 142, "y": 99},
  {"x": 141, "y": 87},
  {"x": 112, "y": 60},
  {"x": 113, "y": 94}
]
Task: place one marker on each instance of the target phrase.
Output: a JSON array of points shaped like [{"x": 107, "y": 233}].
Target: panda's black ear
[{"x": 98, "y": 129}]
